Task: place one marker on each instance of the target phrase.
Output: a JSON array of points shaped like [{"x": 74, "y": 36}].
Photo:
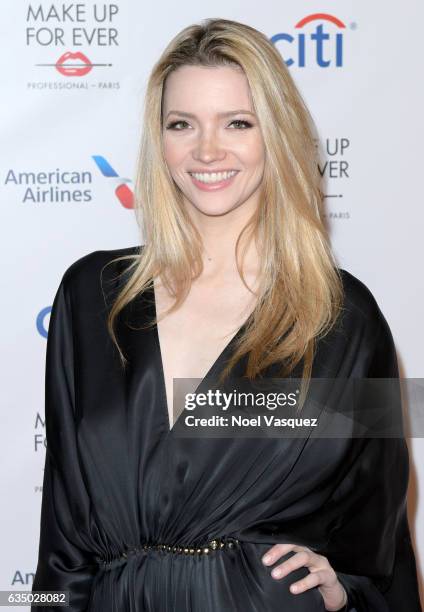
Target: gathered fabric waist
[{"x": 216, "y": 545}]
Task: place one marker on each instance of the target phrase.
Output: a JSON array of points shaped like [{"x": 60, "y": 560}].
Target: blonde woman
[{"x": 236, "y": 276}]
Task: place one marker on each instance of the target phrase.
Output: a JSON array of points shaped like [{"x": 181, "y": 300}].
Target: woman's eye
[
  {"x": 173, "y": 125},
  {"x": 245, "y": 124}
]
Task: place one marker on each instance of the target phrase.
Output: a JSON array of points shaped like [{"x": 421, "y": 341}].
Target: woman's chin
[{"x": 212, "y": 210}]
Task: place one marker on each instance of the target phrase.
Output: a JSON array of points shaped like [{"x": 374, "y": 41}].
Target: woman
[{"x": 134, "y": 517}]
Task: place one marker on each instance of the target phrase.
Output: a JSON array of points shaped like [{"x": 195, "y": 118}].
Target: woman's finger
[
  {"x": 278, "y": 550},
  {"x": 304, "y": 558},
  {"x": 308, "y": 582}
]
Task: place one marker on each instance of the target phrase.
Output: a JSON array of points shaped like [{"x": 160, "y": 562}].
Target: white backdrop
[{"x": 362, "y": 80}]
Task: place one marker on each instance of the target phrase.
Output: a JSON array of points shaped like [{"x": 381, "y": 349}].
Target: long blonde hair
[{"x": 300, "y": 290}]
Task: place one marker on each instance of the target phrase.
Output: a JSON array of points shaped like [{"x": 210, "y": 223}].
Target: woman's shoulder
[
  {"x": 84, "y": 271},
  {"x": 361, "y": 310},
  {"x": 358, "y": 296}
]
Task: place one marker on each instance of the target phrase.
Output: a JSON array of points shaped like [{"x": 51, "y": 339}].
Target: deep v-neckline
[{"x": 209, "y": 373}]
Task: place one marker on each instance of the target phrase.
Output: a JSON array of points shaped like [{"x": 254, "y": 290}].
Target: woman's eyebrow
[{"x": 224, "y": 114}]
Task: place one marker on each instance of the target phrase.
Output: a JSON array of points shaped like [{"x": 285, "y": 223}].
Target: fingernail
[
  {"x": 276, "y": 573},
  {"x": 266, "y": 559}
]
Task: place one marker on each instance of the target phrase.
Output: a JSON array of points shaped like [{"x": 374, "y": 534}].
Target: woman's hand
[{"x": 321, "y": 573}]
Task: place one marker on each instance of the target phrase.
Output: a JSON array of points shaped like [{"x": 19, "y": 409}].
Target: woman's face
[{"x": 209, "y": 127}]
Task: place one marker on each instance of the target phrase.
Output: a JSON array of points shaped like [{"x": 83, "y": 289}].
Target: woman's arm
[
  {"x": 64, "y": 559},
  {"x": 400, "y": 590},
  {"x": 403, "y": 594}
]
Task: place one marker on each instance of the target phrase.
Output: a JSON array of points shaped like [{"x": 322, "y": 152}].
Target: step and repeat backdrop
[{"x": 73, "y": 81}]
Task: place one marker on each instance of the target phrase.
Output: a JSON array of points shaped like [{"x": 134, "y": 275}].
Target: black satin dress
[{"x": 117, "y": 482}]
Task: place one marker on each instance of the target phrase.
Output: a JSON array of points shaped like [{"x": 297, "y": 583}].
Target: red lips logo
[{"x": 67, "y": 67}]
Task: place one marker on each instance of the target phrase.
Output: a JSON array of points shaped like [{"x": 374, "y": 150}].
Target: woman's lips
[
  {"x": 79, "y": 70},
  {"x": 213, "y": 186}
]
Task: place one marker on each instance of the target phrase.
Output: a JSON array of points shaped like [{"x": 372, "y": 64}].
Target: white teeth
[{"x": 213, "y": 177}]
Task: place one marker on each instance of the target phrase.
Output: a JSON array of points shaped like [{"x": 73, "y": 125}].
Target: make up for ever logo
[{"x": 73, "y": 40}]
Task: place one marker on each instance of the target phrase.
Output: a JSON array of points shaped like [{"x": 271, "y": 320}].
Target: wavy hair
[{"x": 300, "y": 290}]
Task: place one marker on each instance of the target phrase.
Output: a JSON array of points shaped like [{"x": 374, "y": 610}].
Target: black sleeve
[
  {"x": 400, "y": 590},
  {"x": 400, "y": 593},
  {"x": 65, "y": 562}
]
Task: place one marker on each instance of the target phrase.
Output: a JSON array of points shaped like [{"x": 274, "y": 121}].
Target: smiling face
[{"x": 212, "y": 141}]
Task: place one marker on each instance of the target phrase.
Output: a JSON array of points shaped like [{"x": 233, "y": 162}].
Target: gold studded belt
[{"x": 213, "y": 545}]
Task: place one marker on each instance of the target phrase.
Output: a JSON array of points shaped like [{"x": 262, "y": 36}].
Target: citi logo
[
  {"x": 322, "y": 46},
  {"x": 40, "y": 321}
]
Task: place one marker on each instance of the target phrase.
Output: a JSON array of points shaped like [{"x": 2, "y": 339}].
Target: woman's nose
[{"x": 208, "y": 147}]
